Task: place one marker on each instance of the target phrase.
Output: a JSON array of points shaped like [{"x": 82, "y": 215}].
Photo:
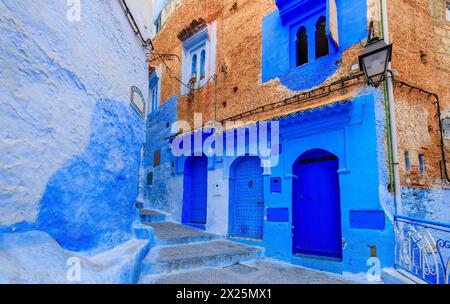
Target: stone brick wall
[{"x": 420, "y": 32}]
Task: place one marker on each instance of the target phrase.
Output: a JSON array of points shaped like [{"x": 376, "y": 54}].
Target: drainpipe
[{"x": 392, "y": 120}]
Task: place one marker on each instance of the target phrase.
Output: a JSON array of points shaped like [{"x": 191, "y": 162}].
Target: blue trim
[{"x": 413, "y": 219}]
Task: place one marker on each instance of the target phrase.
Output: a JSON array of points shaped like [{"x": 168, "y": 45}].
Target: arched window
[
  {"x": 194, "y": 67},
  {"x": 322, "y": 48},
  {"x": 302, "y": 46},
  {"x": 202, "y": 64},
  {"x": 154, "y": 98}
]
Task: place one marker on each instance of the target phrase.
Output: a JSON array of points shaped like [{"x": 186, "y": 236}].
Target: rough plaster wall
[
  {"x": 429, "y": 204},
  {"x": 35, "y": 258},
  {"x": 56, "y": 76},
  {"x": 158, "y": 130},
  {"x": 175, "y": 198},
  {"x": 143, "y": 15}
]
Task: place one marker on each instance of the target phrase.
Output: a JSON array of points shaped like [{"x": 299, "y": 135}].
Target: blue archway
[
  {"x": 246, "y": 208},
  {"x": 316, "y": 218},
  {"x": 195, "y": 191}
]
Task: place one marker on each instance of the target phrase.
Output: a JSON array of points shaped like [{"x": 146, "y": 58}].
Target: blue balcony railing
[{"x": 422, "y": 248}]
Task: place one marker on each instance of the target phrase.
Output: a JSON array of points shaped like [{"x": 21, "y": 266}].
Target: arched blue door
[
  {"x": 195, "y": 190},
  {"x": 247, "y": 199},
  {"x": 316, "y": 205}
]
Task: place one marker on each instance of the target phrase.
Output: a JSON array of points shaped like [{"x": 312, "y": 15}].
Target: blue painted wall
[
  {"x": 158, "y": 130},
  {"x": 350, "y": 132},
  {"x": 70, "y": 141},
  {"x": 89, "y": 202},
  {"x": 354, "y": 132},
  {"x": 277, "y": 54},
  {"x": 429, "y": 204}
]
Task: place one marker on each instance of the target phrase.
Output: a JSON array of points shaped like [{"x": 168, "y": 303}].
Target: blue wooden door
[
  {"x": 248, "y": 209},
  {"x": 316, "y": 206},
  {"x": 195, "y": 190}
]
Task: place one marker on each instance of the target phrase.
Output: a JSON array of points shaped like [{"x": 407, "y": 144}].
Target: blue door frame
[
  {"x": 247, "y": 199},
  {"x": 316, "y": 205},
  {"x": 195, "y": 190}
]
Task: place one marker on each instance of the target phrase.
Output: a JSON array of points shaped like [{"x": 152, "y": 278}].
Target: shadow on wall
[{"x": 89, "y": 202}]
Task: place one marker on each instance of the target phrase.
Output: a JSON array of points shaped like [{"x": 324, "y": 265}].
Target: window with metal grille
[{"x": 154, "y": 87}]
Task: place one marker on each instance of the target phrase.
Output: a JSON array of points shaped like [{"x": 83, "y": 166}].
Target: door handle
[{"x": 260, "y": 203}]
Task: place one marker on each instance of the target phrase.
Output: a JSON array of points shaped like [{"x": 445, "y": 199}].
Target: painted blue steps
[
  {"x": 168, "y": 259},
  {"x": 168, "y": 233},
  {"x": 151, "y": 216}
]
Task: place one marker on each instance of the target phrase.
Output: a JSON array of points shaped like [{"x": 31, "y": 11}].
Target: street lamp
[{"x": 375, "y": 61}]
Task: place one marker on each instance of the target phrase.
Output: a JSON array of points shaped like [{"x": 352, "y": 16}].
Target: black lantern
[{"x": 375, "y": 61}]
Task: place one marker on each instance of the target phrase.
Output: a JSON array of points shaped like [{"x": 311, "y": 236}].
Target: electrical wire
[{"x": 146, "y": 44}]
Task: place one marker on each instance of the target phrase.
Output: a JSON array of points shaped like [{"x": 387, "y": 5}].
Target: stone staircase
[{"x": 178, "y": 247}]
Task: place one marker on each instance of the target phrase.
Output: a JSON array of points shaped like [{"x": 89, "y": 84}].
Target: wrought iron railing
[{"x": 422, "y": 248}]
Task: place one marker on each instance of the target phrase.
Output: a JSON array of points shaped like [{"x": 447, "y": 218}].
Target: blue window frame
[
  {"x": 198, "y": 58},
  {"x": 309, "y": 40},
  {"x": 154, "y": 84}
]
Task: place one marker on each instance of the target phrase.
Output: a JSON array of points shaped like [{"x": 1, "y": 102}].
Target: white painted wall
[
  {"x": 142, "y": 12},
  {"x": 52, "y": 73},
  {"x": 217, "y": 220}
]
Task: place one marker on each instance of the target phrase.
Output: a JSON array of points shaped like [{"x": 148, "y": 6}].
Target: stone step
[
  {"x": 168, "y": 233},
  {"x": 168, "y": 259},
  {"x": 151, "y": 216}
]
